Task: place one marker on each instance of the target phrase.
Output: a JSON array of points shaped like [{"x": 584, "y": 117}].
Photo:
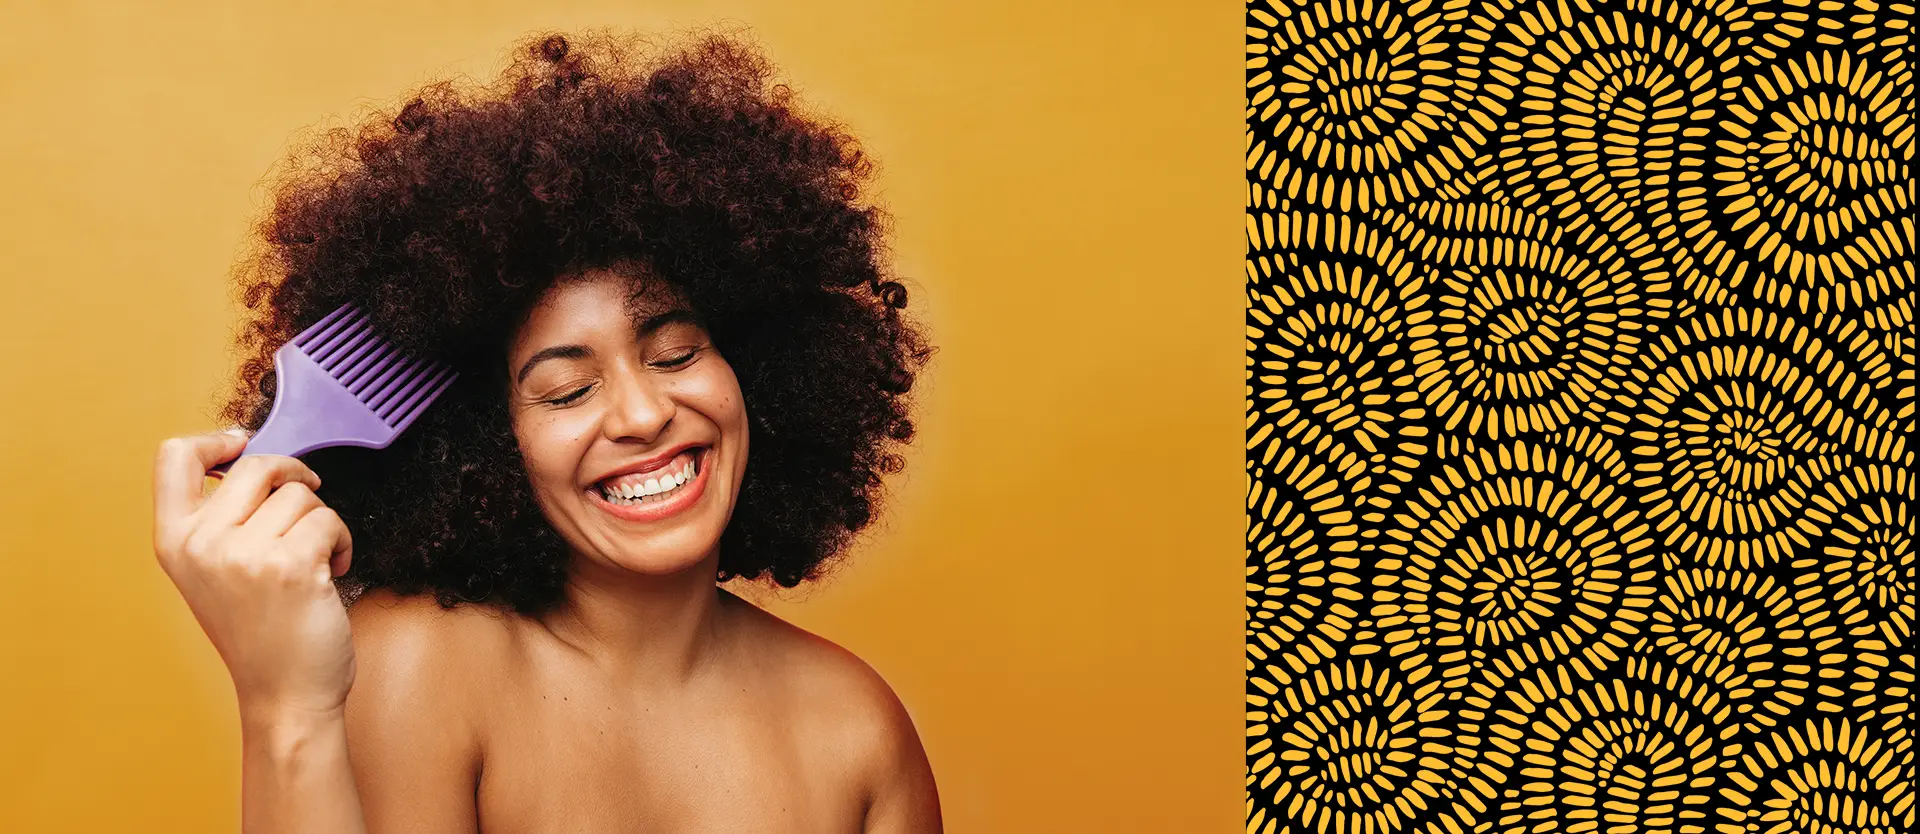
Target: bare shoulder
[
  {"x": 409, "y": 652},
  {"x": 412, "y": 636},
  {"x": 412, "y": 726},
  {"x": 854, "y": 707},
  {"x": 827, "y": 679}
]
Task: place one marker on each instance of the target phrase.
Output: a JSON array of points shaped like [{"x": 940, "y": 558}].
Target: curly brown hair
[{"x": 447, "y": 220}]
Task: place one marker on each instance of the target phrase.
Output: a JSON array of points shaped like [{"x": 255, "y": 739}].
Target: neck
[{"x": 647, "y": 630}]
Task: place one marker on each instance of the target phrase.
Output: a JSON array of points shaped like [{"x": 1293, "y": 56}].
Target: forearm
[{"x": 295, "y": 776}]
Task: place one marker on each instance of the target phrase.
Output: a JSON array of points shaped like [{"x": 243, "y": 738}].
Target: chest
[{"x": 587, "y": 762}]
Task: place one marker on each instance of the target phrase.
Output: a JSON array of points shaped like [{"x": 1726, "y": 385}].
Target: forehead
[{"x": 597, "y": 299}]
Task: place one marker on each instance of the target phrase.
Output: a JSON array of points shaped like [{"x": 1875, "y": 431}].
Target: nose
[{"x": 639, "y": 407}]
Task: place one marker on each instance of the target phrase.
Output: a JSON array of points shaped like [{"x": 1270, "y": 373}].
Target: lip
[
  {"x": 687, "y": 497},
  {"x": 656, "y": 462}
]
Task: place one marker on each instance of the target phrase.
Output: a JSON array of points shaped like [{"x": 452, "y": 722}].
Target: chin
[
  {"x": 666, "y": 549},
  {"x": 655, "y": 563}
]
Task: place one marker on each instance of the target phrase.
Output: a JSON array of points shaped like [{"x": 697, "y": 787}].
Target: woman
[{"x": 644, "y": 263}]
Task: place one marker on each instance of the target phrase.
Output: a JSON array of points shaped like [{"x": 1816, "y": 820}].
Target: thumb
[{"x": 235, "y": 439}]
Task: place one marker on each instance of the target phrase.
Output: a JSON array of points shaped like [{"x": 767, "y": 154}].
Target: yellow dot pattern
[{"x": 1580, "y": 395}]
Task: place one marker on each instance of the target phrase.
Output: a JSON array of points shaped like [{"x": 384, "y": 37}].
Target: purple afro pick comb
[{"x": 339, "y": 384}]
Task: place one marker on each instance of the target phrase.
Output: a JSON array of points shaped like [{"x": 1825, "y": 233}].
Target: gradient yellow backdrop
[{"x": 1056, "y": 590}]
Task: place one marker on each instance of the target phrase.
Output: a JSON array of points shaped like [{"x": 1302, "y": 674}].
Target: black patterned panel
[{"x": 1580, "y": 384}]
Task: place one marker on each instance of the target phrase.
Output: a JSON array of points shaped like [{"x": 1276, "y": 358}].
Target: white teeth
[{"x": 653, "y": 487}]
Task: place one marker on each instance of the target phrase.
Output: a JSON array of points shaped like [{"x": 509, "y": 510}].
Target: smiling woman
[
  {"x": 644, "y": 262},
  {"x": 587, "y": 374}
]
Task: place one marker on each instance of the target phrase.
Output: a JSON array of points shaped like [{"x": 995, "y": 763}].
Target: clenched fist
[{"x": 255, "y": 561}]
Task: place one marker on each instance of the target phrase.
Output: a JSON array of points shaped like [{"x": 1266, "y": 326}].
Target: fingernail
[{"x": 237, "y": 431}]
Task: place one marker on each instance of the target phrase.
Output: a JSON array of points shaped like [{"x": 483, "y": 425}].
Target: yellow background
[{"x": 1056, "y": 590}]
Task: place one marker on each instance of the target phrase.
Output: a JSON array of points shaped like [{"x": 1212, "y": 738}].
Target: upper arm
[
  {"x": 904, "y": 799},
  {"x": 410, "y": 737}
]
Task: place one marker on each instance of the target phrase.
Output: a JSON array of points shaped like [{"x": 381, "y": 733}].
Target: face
[{"x": 631, "y": 424}]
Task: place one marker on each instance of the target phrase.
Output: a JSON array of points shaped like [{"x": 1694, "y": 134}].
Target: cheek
[
  {"x": 715, "y": 392},
  {"x": 552, "y": 445}
]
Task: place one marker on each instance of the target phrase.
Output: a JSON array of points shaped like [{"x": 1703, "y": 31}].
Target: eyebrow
[{"x": 647, "y": 328}]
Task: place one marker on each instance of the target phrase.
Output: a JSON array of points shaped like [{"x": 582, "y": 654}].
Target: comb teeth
[
  {"x": 397, "y": 378},
  {"x": 323, "y": 331},
  {"x": 346, "y": 346},
  {"x": 396, "y": 388},
  {"x": 403, "y": 408}
]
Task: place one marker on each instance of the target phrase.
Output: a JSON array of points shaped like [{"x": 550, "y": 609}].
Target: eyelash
[
  {"x": 673, "y": 363},
  {"x": 569, "y": 398}
]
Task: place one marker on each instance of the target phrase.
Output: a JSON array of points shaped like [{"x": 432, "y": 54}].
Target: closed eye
[
  {"x": 682, "y": 359},
  {"x": 571, "y": 397},
  {"x": 675, "y": 362}
]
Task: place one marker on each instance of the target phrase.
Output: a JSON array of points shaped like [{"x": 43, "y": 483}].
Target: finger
[
  {"x": 322, "y": 533},
  {"x": 248, "y": 483},
  {"x": 285, "y": 506},
  {"x": 180, "y": 470},
  {"x": 218, "y": 471}
]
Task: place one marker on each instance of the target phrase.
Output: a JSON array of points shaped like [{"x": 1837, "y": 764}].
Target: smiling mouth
[{"x": 655, "y": 487}]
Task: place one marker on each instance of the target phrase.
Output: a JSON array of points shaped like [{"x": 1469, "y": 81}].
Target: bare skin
[
  {"x": 484, "y": 721},
  {"x": 648, "y": 700}
]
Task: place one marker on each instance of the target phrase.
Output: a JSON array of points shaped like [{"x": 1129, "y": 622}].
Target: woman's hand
[{"x": 254, "y": 561}]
